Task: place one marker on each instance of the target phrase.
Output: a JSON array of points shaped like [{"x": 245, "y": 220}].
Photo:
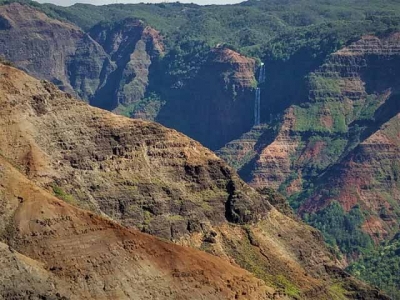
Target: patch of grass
[
  {"x": 324, "y": 88},
  {"x": 289, "y": 288},
  {"x": 372, "y": 103},
  {"x": 308, "y": 117},
  {"x": 62, "y": 195},
  {"x": 246, "y": 253},
  {"x": 337, "y": 292}
]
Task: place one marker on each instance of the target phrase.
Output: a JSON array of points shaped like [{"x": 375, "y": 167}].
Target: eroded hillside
[
  {"x": 343, "y": 137},
  {"x": 57, "y": 251},
  {"x": 154, "y": 179}
]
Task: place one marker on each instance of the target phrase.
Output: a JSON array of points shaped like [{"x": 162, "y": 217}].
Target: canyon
[
  {"x": 144, "y": 177},
  {"x": 317, "y": 121}
]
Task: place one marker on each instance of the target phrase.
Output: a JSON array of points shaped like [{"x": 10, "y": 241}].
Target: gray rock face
[
  {"x": 108, "y": 70},
  {"x": 50, "y": 49},
  {"x": 132, "y": 47}
]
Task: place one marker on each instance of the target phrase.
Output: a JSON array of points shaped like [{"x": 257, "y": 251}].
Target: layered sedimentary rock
[
  {"x": 146, "y": 177},
  {"x": 350, "y": 96},
  {"x": 55, "y": 251},
  {"x": 135, "y": 171},
  {"x": 368, "y": 176}
]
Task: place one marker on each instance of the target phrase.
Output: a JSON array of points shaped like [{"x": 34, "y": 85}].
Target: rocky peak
[
  {"x": 120, "y": 38},
  {"x": 241, "y": 68}
]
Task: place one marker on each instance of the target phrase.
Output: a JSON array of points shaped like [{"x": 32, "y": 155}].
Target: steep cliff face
[
  {"x": 147, "y": 177},
  {"x": 114, "y": 66},
  {"x": 52, "y": 50},
  {"x": 219, "y": 101},
  {"x": 349, "y": 96},
  {"x": 333, "y": 139},
  {"x": 107, "y": 67},
  {"x": 132, "y": 46}
]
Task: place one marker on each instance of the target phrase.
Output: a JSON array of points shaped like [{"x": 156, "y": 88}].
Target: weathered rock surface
[
  {"x": 52, "y": 50},
  {"x": 147, "y": 177},
  {"x": 105, "y": 67},
  {"x": 110, "y": 67},
  {"x": 138, "y": 172},
  {"x": 367, "y": 176},
  {"x": 56, "y": 251},
  {"x": 132, "y": 46}
]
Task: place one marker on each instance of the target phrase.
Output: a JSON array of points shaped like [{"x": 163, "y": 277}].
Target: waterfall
[
  {"x": 257, "y": 100},
  {"x": 257, "y": 103},
  {"x": 261, "y": 75}
]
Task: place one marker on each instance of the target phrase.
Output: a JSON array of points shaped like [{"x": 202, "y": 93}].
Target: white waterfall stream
[
  {"x": 261, "y": 75},
  {"x": 257, "y": 100},
  {"x": 257, "y": 107}
]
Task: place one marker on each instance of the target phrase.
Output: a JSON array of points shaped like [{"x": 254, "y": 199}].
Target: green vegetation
[
  {"x": 62, "y": 195},
  {"x": 272, "y": 31},
  {"x": 289, "y": 288},
  {"x": 372, "y": 103},
  {"x": 338, "y": 292},
  {"x": 341, "y": 230},
  {"x": 6, "y": 62},
  {"x": 253, "y": 27},
  {"x": 247, "y": 255},
  {"x": 329, "y": 117},
  {"x": 324, "y": 88},
  {"x": 381, "y": 267},
  {"x": 149, "y": 106}
]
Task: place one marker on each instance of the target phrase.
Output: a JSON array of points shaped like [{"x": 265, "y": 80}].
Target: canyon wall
[{"x": 148, "y": 178}]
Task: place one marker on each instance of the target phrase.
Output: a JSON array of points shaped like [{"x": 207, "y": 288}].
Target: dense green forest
[
  {"x": 270, "y": 28},
  {"x": 381, "y": 267},
  {"x": 341, "y": 230}
]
